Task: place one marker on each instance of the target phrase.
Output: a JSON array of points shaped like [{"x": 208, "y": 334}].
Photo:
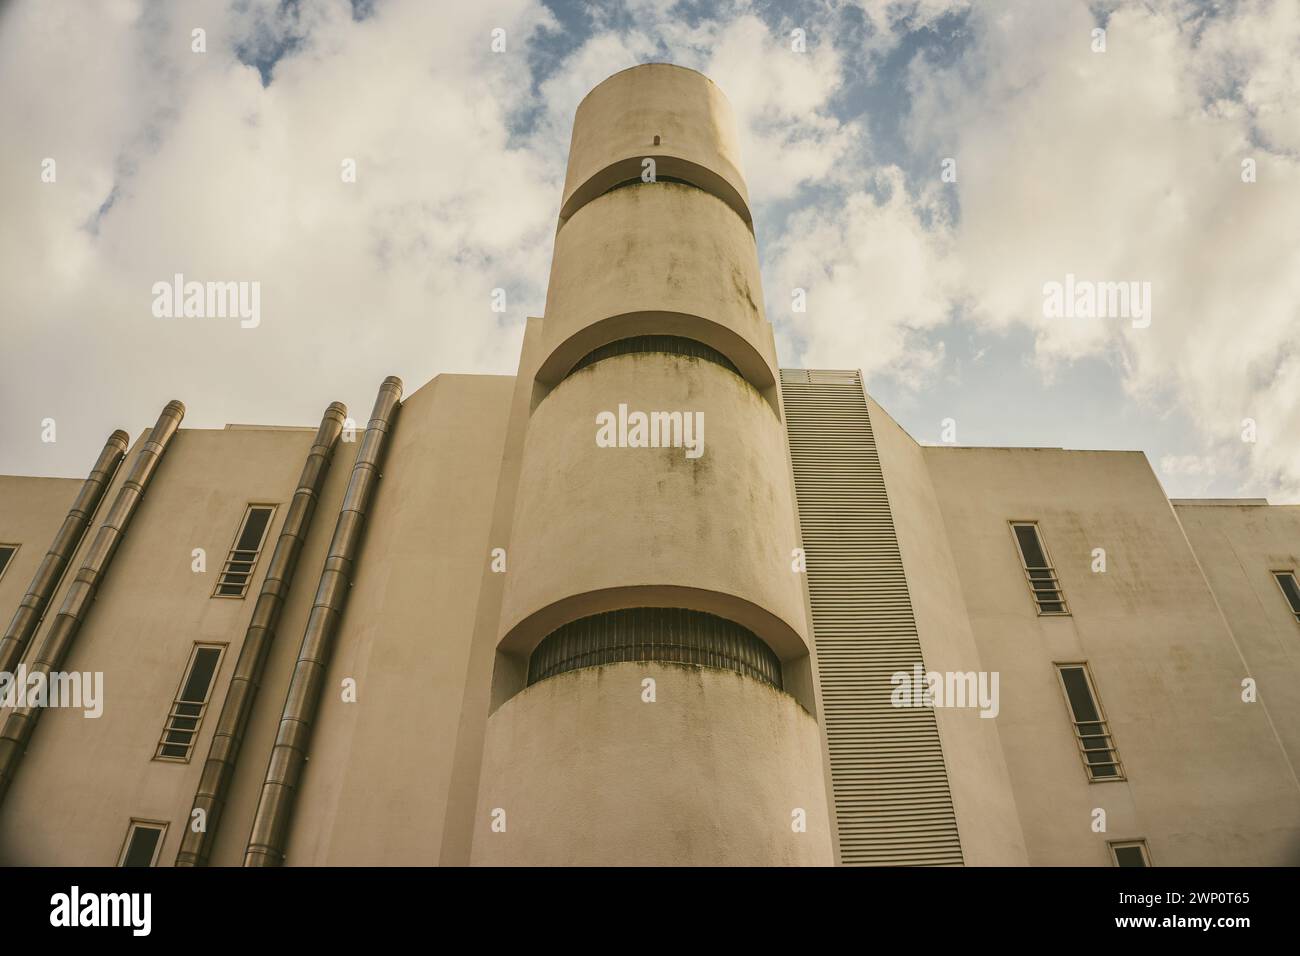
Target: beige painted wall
[
  {"x": 483, "y": 659},
  {"x": 232, "y": 834},
  {"x": 1207, "y": 784},
  {"x": 1237, "y": 547},
  {"x": 84, "y": 779},
  {"x": 404, "y": 637},
  {"x": 376, "y": 788},
  {"x": 708, "y": 774},
  {"x": 982, "y": 794},
  {"x": 31, "y": 512}
]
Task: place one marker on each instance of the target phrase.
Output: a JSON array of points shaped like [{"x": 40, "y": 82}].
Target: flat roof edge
[{"x": 1219, "y": 502}]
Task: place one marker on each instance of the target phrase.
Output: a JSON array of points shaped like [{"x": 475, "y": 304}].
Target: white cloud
[
  {"x": 1196, "y": 466},
  {"x": 219, "y": 178},
  {"x": 890, "y": 22},
  {"x": 781, "y": 98},
  {"x": 1254, "y": 52},
  {"x": 1114, "y": 166},
  {"x": 1121, "y": 166},
  {"x": 874, "y": 274}
]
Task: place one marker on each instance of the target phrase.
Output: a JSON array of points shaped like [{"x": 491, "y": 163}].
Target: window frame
[
  {"x": 10, "y": 563},
  {"x": 1055, "y": 578},
  {"x": 140, "y": 823},
  {"x": 1140, "y": 843},
  {"x": 1276, "y": 574},
  {"x": 176, "y": 702},
  {"x": 1102, "y": 721},
  {"x": 234, "y": 547}
]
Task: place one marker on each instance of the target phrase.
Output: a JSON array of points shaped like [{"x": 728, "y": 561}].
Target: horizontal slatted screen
[
  {"x": 892, "y": 801},
  {"x": 654, "y": 634}
]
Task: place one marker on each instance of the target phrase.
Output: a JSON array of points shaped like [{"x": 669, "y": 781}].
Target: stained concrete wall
[
  {"x": 1207, "y": 783},
  {"x": 661, "y": 259},
  {"x": 590, "y": 774},
  {"x": 594, "y": 527},
  {"x": 615, "y": 127}
]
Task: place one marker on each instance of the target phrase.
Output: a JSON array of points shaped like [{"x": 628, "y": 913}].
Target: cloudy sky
[{"x": 1122, "y": 165}]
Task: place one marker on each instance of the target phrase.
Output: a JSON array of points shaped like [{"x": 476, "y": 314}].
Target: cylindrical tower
[
  {"x": 678, "y": 259},
  {"x": 653, "y": 637}
]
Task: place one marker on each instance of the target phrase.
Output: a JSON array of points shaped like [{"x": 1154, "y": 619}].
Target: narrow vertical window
[
  {"x": 1290, "y": 590},
  {"x": 7, "y": 551},
  {"x": 1043, "y": 583},
  {"x": 143, "y": 841},
  {"x": 1091, "y": 731},
  {"x": 240, "y": 563},
  {"x": 187, "y": 710},
  {"x": 1130, "y": 853}
]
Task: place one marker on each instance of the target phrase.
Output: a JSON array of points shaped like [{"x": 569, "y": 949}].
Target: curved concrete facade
[
  {"x": 712, "y": 772},
  {"x": 585, "y": 772},
  {"x": 601, "y": 528},
  {"x": 618, "y": 122},
  {"x": 658, "y": 258}
]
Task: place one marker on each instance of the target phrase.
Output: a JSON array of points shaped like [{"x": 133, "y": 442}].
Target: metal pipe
[
  {"x": 52, "y": 650},
  {"x": 219, "y": 769},
  {"x": 270, "y": 833},
  {"x": 31, "y": 609}
]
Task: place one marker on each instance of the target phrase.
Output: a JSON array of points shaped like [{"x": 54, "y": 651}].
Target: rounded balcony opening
[
  {"x": 663, "y": 634},
  {"x": 638, "y": 181},
  {"x": 669, "y": 344},
  {"x": 659, "y": 179}
]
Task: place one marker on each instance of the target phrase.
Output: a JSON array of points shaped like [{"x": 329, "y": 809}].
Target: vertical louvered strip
[{"x": 890, "y": 784}]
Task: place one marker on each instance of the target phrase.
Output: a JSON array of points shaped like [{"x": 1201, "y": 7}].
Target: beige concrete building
[{"x": 653, "y": 600}]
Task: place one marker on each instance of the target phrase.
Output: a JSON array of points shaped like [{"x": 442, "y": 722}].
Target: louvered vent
[
  {"x": 654, "y": 634},
  {"x": 892, "y": 801}
]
